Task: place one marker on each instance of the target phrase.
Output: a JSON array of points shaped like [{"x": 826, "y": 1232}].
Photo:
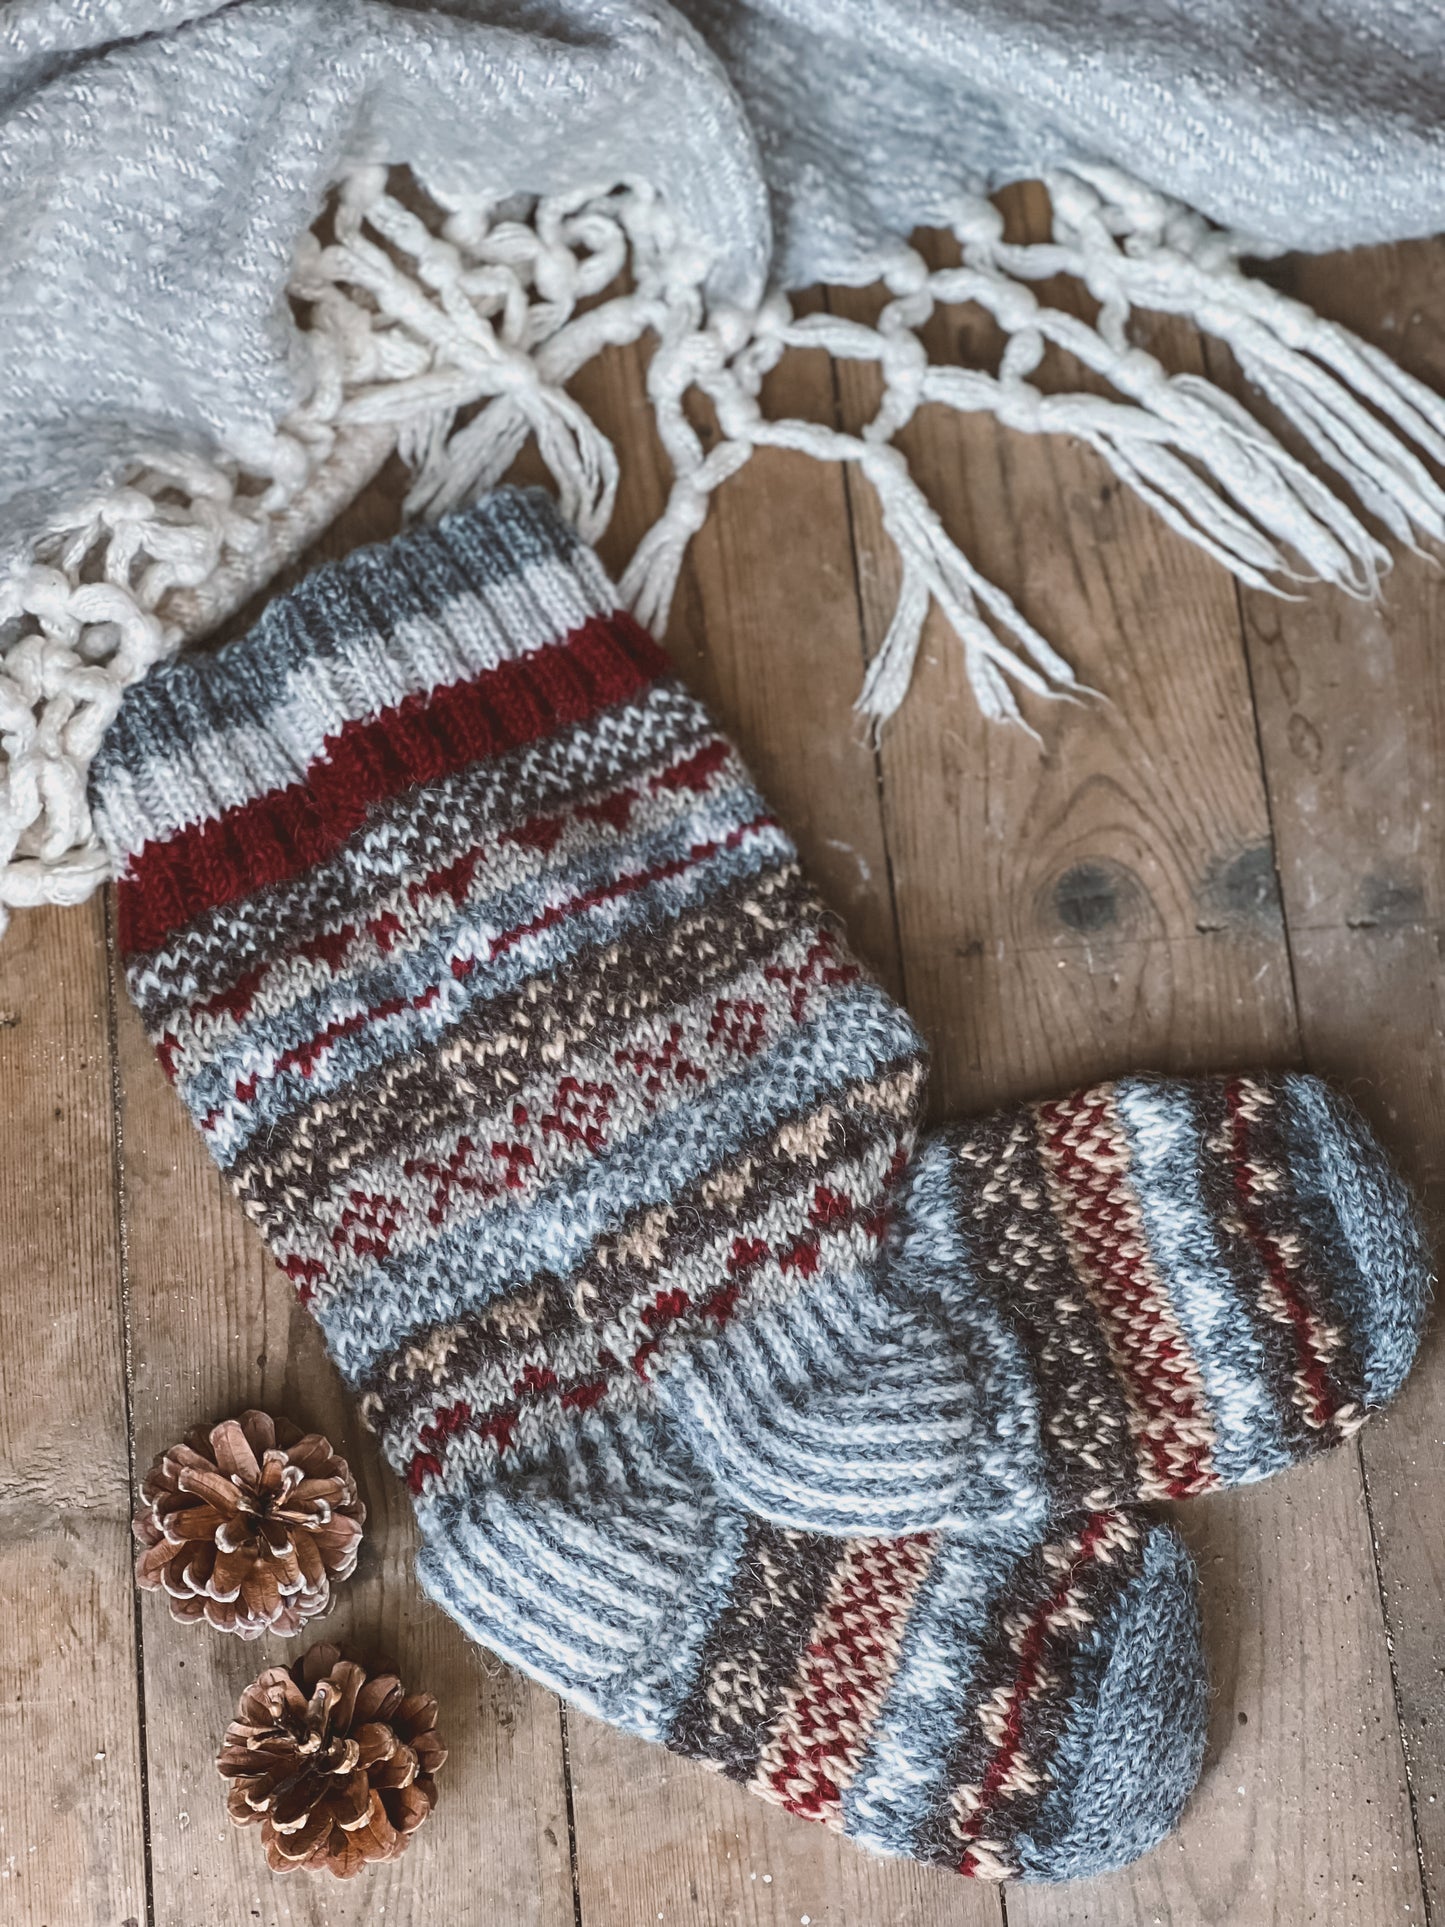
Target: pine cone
[
  {"x": 248, "y": 1525},
  {"x": 336, "y": 1763}
]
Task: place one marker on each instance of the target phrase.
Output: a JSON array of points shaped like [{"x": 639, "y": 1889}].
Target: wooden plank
[
  {"x": 217, "y": 1328},
  {"x": 1109, "y": 903},
  {"x": 664, "y": 1839},
  {"x": 71, "y": 1796},
  {"x": 1351, "y": 703},
  {"x": 765, "y": 628}
]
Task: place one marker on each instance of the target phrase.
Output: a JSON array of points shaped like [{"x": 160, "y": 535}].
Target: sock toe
[
  {"x": 1373, "y": 1252},
  {"x": 1131, "y": 1749}
]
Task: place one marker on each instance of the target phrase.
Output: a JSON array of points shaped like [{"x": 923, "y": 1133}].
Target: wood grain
[
  {"x": 71, "y": 1819},
  {"x": 765, "y": 628},
  {"x": 1351, "y": 705},
  {"x": 1233, "y": 856},
  {"x": 663, "y": 1839},
  {"x": 216, "y": 1328}
]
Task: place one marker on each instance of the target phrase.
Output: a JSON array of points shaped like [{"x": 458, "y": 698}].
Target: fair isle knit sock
[
  {"x": 495, "y": 990},
  {"x": 1030, "y": 1711},
  {"x": 1149, "y": 1290}
]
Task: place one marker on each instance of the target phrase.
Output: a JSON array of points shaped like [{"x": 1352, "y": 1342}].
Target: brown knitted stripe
[
  {"x": 371, "y": 1212},
  {"x": 1324, "y": 1377},
  {"x": 778, "y": 1172},
  {"x": 595, "y": 1001},
  {"x": 1085, "y": 1153},
  {"x": 582, "y": 1107},
  {"x": 1023, "y": 1687},
  {"x": 808, "y": 1199},
  {"x": 1017, "y": 1244},
  {"x": 582, "y": 838},
  {"x": 850, "y": 1660},
  {"x": 458, "y": 1435},
  {"x": 621, "y": 1358},
  {"x": 411, "y": 834},
  {"x": 1239, "y": 1252},
  {"x": 755, "y": 1647}
]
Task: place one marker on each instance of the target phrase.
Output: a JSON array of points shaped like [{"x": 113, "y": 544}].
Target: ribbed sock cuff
[{"x": 396, "y": 666}]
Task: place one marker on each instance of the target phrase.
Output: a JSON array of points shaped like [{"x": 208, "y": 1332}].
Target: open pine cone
[
  {"x": 334, "y": 1761},
  {"x": 248, "y": 1525}
]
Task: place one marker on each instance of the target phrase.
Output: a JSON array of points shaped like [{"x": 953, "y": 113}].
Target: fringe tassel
[{"x": 453, "y": 339}]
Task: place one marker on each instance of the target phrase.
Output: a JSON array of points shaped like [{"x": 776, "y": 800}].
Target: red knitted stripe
[
  {"x": 1029, "y": 1677},
  {"x": 846, "y": 1671},
  {"x": 424, "y": 738},
  {"x": 304, "y": 1055},
  {"x": 1314, "y": 1394},
  {"x": 1129, "y": 1299}
]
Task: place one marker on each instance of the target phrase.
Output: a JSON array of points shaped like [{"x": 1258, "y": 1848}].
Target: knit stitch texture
[
  {"x": 1030, "y": 1711},
  {"x": 1149, "y": 1290},
  {"x": 224, "y": 313},
  {"x": 496, "y": 991}
]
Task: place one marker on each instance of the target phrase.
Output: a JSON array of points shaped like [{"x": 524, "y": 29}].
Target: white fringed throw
[{"x": 195, "y": 379}]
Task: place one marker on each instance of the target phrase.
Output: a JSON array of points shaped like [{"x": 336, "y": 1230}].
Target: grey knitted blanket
[{"x": 223, "y": 310}]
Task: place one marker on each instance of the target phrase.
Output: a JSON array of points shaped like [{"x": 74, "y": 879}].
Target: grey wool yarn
[{"x": 732, "y": 1408}]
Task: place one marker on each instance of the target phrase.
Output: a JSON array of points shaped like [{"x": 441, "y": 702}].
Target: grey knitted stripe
[
  {"x": 485, "y": 1260},
  {"x": 210, "y": 954},
  {"x": 345, "y": 645},
  {"x": 232, "y": 1122},
  {"x": 404, "y": 973},
  {"x": 595, "y": 1310},
  {"x": 1165, "y": 1127},
  {"x": 1366, "y": 1222},
  {"x": 601, "y": 995}
]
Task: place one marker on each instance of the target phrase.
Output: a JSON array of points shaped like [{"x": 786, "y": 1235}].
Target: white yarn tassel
[
  {"x": 460, "y": 465},
  {"x": 649, "y": 581},
  {"x": 727, "y": 351},
  {"x": 453, "y": 338},
  {"x": 1366, "y": 418},
  {"x": 934, "y": 566}
]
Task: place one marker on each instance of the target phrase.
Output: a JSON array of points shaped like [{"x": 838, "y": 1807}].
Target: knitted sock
[
  {"x": 1148, "y": 1290},
  {"x": 495, "y": 993},
  {"x": 1027, "y": 1710}
]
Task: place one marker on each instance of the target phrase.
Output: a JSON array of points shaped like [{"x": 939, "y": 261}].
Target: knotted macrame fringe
[{"x": 451, "y": 340}]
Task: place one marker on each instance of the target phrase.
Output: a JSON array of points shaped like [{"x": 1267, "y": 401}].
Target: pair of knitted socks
[{"x": 730, "y": 1411}]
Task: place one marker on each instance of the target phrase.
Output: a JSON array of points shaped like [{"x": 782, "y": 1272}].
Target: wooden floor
[{"x": 1238, "y": 858}]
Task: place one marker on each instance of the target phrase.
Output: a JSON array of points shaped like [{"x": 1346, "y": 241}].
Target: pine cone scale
[
  {"x": 206, "y": 1483},
  {"x": 311, "y": 1501},
  {"x": 376, "y": 1743},
  {"x": 397, "y": 1772},
  {"x": 413, "y": 1804},
  {"x": 308, "y": 1558},
  {"x": 233, "y": 1451},
  {"x": 379, "y": 1698},
  {"x": 195, "y": 1522}
]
